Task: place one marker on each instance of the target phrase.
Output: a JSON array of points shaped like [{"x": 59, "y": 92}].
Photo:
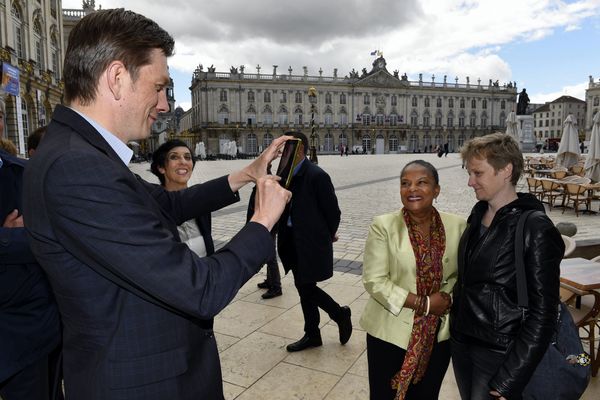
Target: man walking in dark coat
[{"x": 307, "y": 230}]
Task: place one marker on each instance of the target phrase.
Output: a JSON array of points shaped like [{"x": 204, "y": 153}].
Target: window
[
  {"x": 366, "y": 143},
  {"x": 484, "y": 121},
  {"x": 426, "y": 120},
  {"x": 394, "y": 100},
  {"x": 251, "y": 118},
  {"x": 367, "y": 99},
  {"x": 450, "y": 103},
  {"x": 462, "y": 103},
  {"x": 438, "y": 120},
  {"x": 267, "y": 97},
  {"x": 251, "y": 96},
  {"x": 484, "y": 104},
  {"x": 413, "y": 143},
  {"x": 267, "y": 140},
  {"x": 450, "y": 121},
  {"x": 25, "y": 116},
  {"x": 298, "y": 120},
  {"x": 38, "y": 44},
  {"x": 268, "y": 117},
  {"x": 461, "y": 121},
  {"x": 328, "y": 118},
  {"x": 414, "y": 119},
  {"x": 393, "y": 144},
  {"x": 18, "y": 31},
  {"x": 283, "y": 116},
  {"x": 223, "y": 95},
  {"x": 342, "y": 98},
  {"x": 283, "y": 98},
  {"x": 393, "y": 119},
  {"x": 251, "y": 144},
  {"x": 328, "y": 98},
  {"x": 438, "y": 102},
  {"x": 473, "y": 103},
  {"x": 298, "y": 97},
  {"x": 426, "y": 101},
  {"x": 328, "y": 143},
  {"x": 366, "y": 119},
  {"x": 343, "y": 117},
  {"x": 414, "y": 101},
  {"x": 503, "y": 105},
  {"x": 54, "y": 54},
  {"x": 596, "y": 101},
  {"x": 473, "y": 121},
  {"x": 343, "y": 139}
]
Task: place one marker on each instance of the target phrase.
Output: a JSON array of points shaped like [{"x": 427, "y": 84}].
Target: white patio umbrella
[
  {"x": 568, "y": 150},
  {"x": 512, "y": 125},
  {"x": 592, "y": 163}
]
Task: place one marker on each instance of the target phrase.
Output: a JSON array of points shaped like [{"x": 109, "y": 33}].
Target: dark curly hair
[{"x": 159, "y": 157}]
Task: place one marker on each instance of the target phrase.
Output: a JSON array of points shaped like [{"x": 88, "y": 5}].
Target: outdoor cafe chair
[
  {"x": 576, "y": 194},
  {"x": 550, "y": 191},
  {"x": 558, "y": 174},
  {"x": 535, "y": 187},
  {"x": 577, "y": 170}
]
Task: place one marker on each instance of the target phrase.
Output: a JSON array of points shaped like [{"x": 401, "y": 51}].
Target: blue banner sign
[{"x": 10, "y": 79}]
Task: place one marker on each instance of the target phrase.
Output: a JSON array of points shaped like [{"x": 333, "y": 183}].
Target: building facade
[
  {"x": 378, "y": 111},
  {"x": 548, "y": 119},
  {"x": 31, "y": 40},
  {"x": 592, "y": 100}
]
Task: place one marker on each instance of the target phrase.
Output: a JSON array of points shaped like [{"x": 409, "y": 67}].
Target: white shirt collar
[{"x": 124, "y": 152}]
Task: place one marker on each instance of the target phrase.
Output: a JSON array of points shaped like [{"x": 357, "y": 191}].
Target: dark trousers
[
  {"x": 273, "y": 275},
  {"x": 31, "y": 383},
  {"x": 385, "y": 360},
  {"x": 312, "y": 298},
  {"x": 474, "y": 366}
]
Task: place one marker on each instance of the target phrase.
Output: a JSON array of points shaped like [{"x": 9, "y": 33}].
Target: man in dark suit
[
  {"x": 131, "y": 296},
  {"x": 307, "y": 230},
  {"x": 29, "y": 322}
]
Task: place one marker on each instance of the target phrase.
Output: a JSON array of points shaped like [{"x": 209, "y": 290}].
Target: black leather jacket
[{"x": 485, "y": 307}]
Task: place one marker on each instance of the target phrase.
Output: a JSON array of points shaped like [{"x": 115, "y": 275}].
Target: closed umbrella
[
  {"x": 512, "y": 126},
  {"x": 592, "y": 163},
  {"x": 568, "y": 150}
]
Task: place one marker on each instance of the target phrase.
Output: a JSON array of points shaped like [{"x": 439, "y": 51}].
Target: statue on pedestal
[{"x": 522, "y": 103}]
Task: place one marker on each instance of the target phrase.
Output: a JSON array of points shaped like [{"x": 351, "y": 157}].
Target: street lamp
[{"x": 312, "y": 99}]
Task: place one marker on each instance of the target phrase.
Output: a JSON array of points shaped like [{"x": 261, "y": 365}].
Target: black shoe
[
  {"x": 263, "y": 285},
  {"x": 272, "y": 292},
  {"x": 305, "y": 343},
  {"x": 345, "y": 325}
]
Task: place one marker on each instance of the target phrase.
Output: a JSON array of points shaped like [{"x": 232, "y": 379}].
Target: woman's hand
[{"x": 439, "y": 303}]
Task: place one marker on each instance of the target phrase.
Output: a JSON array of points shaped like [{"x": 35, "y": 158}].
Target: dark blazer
[
  {"x": 307, "y": 247},
  {"x": 29, "y": 322},
  {"x": 128, "y": 291},
  {"x": 205, "y": 225}
]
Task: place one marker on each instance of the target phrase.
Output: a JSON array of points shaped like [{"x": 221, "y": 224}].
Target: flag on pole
[{"x": 374, "y": 52}]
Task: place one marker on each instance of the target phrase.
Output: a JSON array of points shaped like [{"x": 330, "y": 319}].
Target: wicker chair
[
  {"x": 576, "y": 194},
  {"x": 535, "y": 187},
  {"x": 550, "y": 191}
]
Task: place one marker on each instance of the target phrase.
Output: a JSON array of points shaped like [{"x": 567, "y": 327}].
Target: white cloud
[{"x": 577, "y": 90}]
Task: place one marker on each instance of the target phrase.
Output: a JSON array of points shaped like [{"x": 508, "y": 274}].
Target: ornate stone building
[
  {"x": 378, "y": 110},
  {"x": 548, "y": 119},
  {"x": 31, "y": 40},
  {"x": 592, "y": 100}
]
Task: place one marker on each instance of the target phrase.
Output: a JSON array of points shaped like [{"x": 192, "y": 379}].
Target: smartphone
[{"x": 292, "y": 153}]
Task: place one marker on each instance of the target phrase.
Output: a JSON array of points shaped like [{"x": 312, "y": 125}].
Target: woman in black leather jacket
[{"x": 495, "y": 347}]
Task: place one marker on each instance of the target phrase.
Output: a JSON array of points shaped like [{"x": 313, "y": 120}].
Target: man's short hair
[
  {"x": 499, "y": 150},
  {"x": 33, "y": 141},
  {"x": 301, "y": 136},
  {"x": 103, "y": 37}
]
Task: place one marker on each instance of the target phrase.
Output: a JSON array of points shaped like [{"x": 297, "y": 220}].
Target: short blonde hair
[{"x": 499, "y": 150}]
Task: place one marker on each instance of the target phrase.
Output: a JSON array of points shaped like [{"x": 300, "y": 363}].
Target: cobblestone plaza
[{"x": 252, "y": 333}]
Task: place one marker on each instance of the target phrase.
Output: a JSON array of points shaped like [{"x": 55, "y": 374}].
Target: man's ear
[{"x": 116, "y": 77}]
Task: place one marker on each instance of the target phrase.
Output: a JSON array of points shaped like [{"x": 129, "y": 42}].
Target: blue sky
[{"x": 546, "y": 46}]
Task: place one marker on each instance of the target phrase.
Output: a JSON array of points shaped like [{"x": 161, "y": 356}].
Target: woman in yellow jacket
[{"x": 409, "y": 269}]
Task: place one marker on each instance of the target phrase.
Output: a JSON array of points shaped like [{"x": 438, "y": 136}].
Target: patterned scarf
[{"x": 429, "y": 278}]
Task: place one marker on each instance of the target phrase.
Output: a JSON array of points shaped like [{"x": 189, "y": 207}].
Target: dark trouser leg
[
  {"x": 31, "y": 383},
  {"x": 474, "y": 366},
  {"x": 273, "y": 275},
  {"x": 385, "y": 360},
  {"x": 312, "y": 298}
]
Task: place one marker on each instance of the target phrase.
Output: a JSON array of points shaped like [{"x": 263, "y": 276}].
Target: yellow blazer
[{"x": 389, "y": 274}]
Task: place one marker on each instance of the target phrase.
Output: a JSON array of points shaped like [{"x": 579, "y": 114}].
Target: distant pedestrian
[
  {"x": 446, "y": 149},
  {"x": 346, "y": 150},
  {"x": 341, "y": 150}
]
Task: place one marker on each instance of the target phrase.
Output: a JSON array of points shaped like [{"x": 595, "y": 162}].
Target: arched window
[
  {"x": 223, "y": 115},
  {"x": 450, "y": 122},
  {"x": 393, "y": 119},
  {"x": 426, "y": 118},
  {"x": 426, "y": 101},
  {"x": 283, "y": 116},
  {"x": 38, "y": 45},
  {"x": 267, "y": 139},
  {"x": 461, "y": 120},
  {"x": 328, "y": 98},
  {"x": 473, "y": 120},
  {"x": 55, "y": 51},
  {"x": 484, "y": 104},
  {"x": 413, "y": 143},
  {"x": 503, "y": 105},
  {"x": 267, "y": 97},
  {"x": 484, "y": 120},
  {"x": 393, "y": 144},
  {"x": 19, "y": 34},
  {"x": 328, "y": 117},
  {"x": 343, "y": 116},
  {"x": 438, "y": 119},
  {"x": 250, "y": 96},
  {"x": 223, "y": 95},
  {"x": 366, "y": 142},
  {"x": 298, "y": 97},
  {"x": 438, "y": 102},
  {"x": 414, "y": 101},
  {"x": 414, "y": 119},
  {"x": 342, "y": 98},
  {"x": 298, "y": 116},
  {"x": 473, "y": 103},
  {"x": 450, "y": 103},
  {"x": 462, "y": 103},
  {"x": 328, "y": 143},
  {"x": 251, "y": 144},
  {"x": 267, "y": 116}
]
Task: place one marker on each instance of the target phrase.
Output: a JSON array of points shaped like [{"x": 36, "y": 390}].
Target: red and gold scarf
[{"x": 429, "y": 279}]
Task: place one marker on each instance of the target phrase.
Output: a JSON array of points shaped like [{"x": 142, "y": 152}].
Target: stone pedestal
[{"x": 526, "y": 136}]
